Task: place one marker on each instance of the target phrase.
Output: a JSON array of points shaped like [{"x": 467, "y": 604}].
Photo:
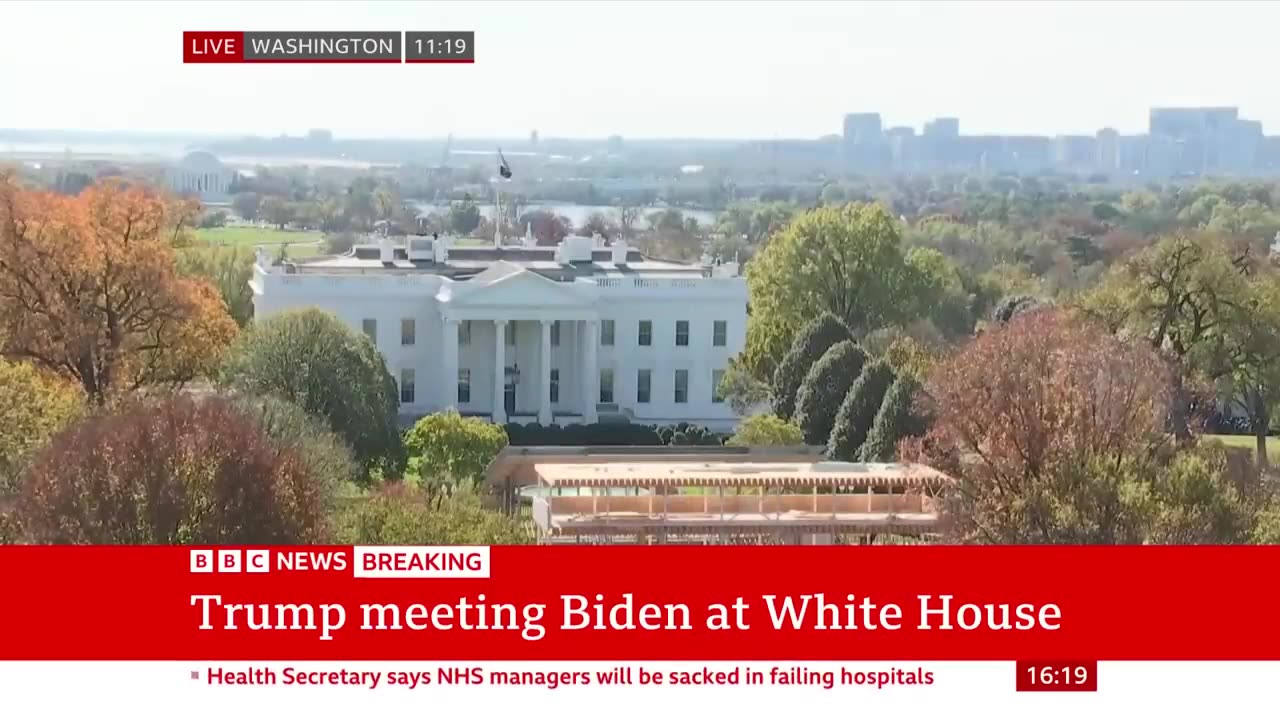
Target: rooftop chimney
[
  {"x": 620, "y": 252},
  {"x": 727, "y": 270},
  {"x": 386, "y": 249},
  {"x": 529, "y": 240},
  {"x": 574, "y": 248},
  {"x": 440, "y": 246}
]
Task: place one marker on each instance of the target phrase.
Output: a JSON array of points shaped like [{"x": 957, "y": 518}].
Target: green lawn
[
  {"x": 1247, "y": 442},
  {"x": 299, "y": 243},
  {"x": 254, "y": 236}
]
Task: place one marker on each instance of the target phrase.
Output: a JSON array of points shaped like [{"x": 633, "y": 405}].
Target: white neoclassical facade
[
  {"x": 568, "y": 334},
  {"x": 203, "y": 175}
]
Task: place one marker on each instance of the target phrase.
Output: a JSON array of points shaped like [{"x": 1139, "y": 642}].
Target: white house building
[{"x": 575, "y": 333}]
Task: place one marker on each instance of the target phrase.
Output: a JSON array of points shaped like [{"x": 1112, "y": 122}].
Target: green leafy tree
[
  {"x": 938, "y": 292},
  {"x": 1249, "y": 343},
  {"x": 278, "y": 211},
  {"x": 247, "y": 205},
  {"x": 171, "y": 471},
  {"x": 449, "y": 448},
  {"x": 824, "y": 388},
  {"x": 809, "y": 346},
  {"x": 896, "y": 419},
  {"x": 1197, "y": 503},
  {"x": 464, "y": 216},
  {"x": 857, "y": 413},
  {"x": 1181, "y": 294},
  {"x": 35, "y": 406},
  {"x": 743, "y": 392},
  {"x": 227, "y": 269},
  {"x": 765, "y": 429},
  {"x": 1128, "y": 500},
  {"x": 404, "y": 515},
  {"x": 328, "y": 460},
  {"x": 846, "y": 260},
  {"x": 313, "y": 360}
]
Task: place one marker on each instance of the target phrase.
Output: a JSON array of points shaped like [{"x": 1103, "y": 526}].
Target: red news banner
[{"x": 637, "y": 603}]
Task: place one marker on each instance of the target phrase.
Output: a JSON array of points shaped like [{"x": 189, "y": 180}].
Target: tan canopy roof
[
  {"x": 736, "y": 474},
  {"x": 516, "y": 465}
]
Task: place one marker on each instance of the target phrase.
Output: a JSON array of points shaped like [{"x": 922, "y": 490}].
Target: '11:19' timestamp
[
  {"x": 1057, "y": 676},
  {"x": 440, "y": 47}
]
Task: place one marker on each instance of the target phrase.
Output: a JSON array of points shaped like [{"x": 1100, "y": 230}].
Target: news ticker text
[{"x": 395, "y": 46}]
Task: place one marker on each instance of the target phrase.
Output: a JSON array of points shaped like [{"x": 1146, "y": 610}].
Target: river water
[{"x": 578, "y": 214}]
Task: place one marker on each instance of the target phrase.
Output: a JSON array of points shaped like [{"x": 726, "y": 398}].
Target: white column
[
  {"x": 544, "y": 367},
  {"x": 450, "y": 370},
  {"x": 590, "y": 371},
  {"x": 499, "y": 371}
]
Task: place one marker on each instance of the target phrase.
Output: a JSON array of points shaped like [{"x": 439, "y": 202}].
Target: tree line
[
  {"x": 1073, "y": 416},
  {"x": 1063, "y": 408},
  {"x": 137, "y": 410}
]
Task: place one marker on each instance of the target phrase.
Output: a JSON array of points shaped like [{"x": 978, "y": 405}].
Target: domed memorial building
[{"x": 202, "y": 175}]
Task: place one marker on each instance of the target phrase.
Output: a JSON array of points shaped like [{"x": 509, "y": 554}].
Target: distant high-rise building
[
  {"x": 1182, "y": 141},
  {"x": 864, "y": 148},
  {"x": 1078, "y": 153},
  {"x": 1164, "y": 157},
  {"x": 1183, "y": 122},
  {"x": 862, "y": 128},
  {"x": 1198, "y": 136},
  {"x": 943, "y": 127},
  {"x": 1241, "y": 147},
  {"x": 533, "y": 138},
  {"x": 1108, "y": 150},
  {"x": 940, "y": 146},
  {"x": 903, "y": 148},
  {"x": 320, "y": 136}
]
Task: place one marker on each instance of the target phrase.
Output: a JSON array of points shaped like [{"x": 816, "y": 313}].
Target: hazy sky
[{"x": 652, "y": 69}]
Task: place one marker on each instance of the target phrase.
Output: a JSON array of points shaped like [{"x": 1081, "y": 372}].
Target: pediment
[{"x": 509, "y": 285}]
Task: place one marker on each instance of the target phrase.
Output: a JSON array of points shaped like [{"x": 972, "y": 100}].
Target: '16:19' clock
[
  {"x": 440, "y": 47},
  {"x": 1057, "y": 676}
]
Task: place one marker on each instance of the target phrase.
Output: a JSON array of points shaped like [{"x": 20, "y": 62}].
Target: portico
[{"x": 555, "y": 327}]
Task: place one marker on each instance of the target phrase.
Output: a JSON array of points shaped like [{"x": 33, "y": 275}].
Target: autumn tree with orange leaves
[{"x": 89, "y": 289}]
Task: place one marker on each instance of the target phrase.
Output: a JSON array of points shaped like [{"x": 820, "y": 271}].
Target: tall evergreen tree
[
  {"x": 895, "y": 420},
  {"x": 824, "y": 388},
  {"x": 809, "y": 346},
  {"x": 857, "y": 413}
]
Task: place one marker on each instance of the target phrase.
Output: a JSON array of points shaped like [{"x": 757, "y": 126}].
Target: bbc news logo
[{"x": 230, "y": 561}]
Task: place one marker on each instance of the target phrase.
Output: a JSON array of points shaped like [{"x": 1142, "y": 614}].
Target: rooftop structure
[{"x": 787, "y": 496}]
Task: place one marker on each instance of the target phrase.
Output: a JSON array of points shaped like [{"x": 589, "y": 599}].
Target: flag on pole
[{"x": 504, "y": 169}]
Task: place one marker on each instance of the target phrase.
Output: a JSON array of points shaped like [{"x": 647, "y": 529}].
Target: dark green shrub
[
  {"x": 824, "y": 388},
  {"x": 895, "y": 420},
  {"x": 858, "y": 411},
  {"x": 810, "y": 344}
]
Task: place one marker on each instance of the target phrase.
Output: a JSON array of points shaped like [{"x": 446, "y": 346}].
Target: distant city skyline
[{"x": 648, "y": 70}]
